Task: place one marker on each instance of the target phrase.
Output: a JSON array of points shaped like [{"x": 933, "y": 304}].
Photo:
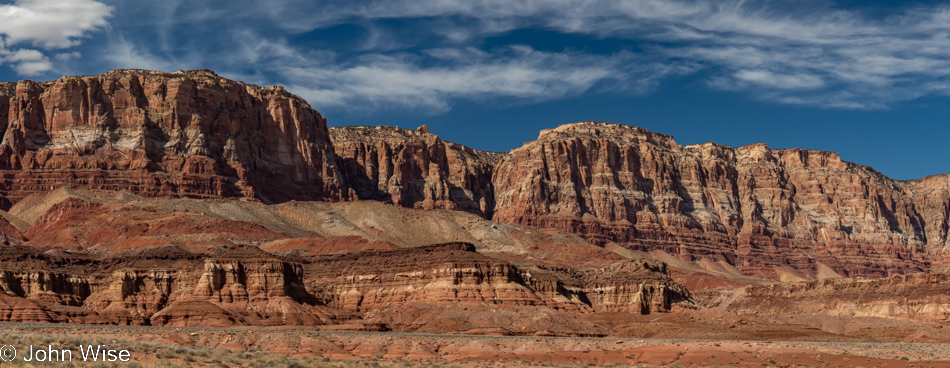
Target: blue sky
[{"x": 868, "y": 79}]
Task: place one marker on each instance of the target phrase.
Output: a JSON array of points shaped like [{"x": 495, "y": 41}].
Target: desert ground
[{"x": 263, "y": 347}]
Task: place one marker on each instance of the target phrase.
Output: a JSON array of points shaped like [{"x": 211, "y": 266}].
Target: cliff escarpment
[
  {"x": 416, "y": 169},
  {"x": 247, "y": 287},
  {"x": 183, "y": 134},
  {"x": 778, "y": 213},
  {"x": 775, "y": 213},
  {"x": 455, "y": 273},
  {"x": 117, "y": 258},
  {"x": 229, "y": 292},
  {"x": 768, "y": 212},
  {"x": 919, "y": 297}
]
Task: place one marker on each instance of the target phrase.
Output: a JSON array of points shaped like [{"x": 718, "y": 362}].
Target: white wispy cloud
[
  {"x": 803, "y": 52},
  {"x": 433, "y": 78},
  {"x": 46, "y": 24},
  {"x": 27, "y": 62},
  {"x": 51, "y": 23},
  {"x": 780, "y": 81},
  {"x": 526, "y": 75},
  {"x": 127, "y": 55}
]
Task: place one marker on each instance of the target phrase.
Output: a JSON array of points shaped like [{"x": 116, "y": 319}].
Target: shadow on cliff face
[
  {"x": 107, "y": 257},
  {"x": 185, "y": 134},
  {"x": 121, "y": 259},
  {"x": 193, "y": 134},
  {"x": 415, "y": 169},
  {"x": 417, "y": 289}
]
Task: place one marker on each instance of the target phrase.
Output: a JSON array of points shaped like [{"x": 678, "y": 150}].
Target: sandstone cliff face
[
  {"x": 7, "y": 91},
  {"x": 106, "y": 257},
  {"x": 919, "y": 297},
  {"x": 455, "y": 273},
  {"x": 441, "y": 275},
  {"x": 764, "y": 210},
  {"x": 258, "y": 292},
  {"x": 251, "y": 288},
  {"x": 775, "y": 213},
  {"x": 46, "y": 286},
  {"x": 133, "y": 296},
  {"x": 185, "y": 134},
  {"x": 632, "y": 286},
  {"x": 415, "y": 169},
  {"x": 782, "y": 214},
  {"x": 931, "y": 199}
]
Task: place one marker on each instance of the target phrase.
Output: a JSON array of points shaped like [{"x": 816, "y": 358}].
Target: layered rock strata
[
  {"x": 455, "y": 273},
  {"x": 783, "y": 214},
  {"x": 105, "y": 257},
  {"x": 416, "y": 169},
  {"x": 918, "y": 297},
  {"x": 630, "y": 285},
  {"x": 768, "y": 212},
  {"x": 251, "y": 287},
  {"x": 184, "y": 134},
  {"x": 251, "y": 291}
]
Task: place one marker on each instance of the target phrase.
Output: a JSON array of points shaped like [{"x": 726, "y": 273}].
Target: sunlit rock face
[
  {"x": 769, "y": 212},
  {"x": 184, "y": 134},
  {"x": 415, "y": 169},
  {"x": 783, "y": 214}
]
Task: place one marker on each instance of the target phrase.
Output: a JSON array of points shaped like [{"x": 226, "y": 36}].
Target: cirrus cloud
[
  {"x": 808, "y": 52},
  {"x": 398, "y": 53},
  {"x": 47, "y": 24},
  {"x": 431, "y": 79}
]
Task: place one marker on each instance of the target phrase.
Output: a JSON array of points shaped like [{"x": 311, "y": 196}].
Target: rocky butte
[
  {"x": 781, "y": 214},
  {"x": 117, "y": 258},
  {"x": 416, "y": 169},
  {"x": 767, "y": 212},
  {"x": 184, "y": 134},
  {"x": 772, "y": 213}
]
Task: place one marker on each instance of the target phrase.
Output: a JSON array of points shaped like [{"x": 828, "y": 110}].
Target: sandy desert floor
[{"x": 171, "y": 347}]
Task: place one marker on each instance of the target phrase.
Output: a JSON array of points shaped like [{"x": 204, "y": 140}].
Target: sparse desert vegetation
[{"x": 173, "y": 347}]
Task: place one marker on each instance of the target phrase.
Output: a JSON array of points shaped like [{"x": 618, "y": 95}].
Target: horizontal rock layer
[
  {"x": 228, "y": 291},
  {"x": 108, "y": 257},
  {"x": 184, "y": 134},
  {"x": 249, "y": 287},
  {"x": 783, "y": 214},
  {"x": 455, "y": 273},
  {"x": 415, "y": 169},
  {"x": 766, "y": 211},
  {"x": 918, "y": 297}
]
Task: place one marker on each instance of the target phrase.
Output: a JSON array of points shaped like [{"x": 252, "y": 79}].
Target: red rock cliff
[
  {"x": 194, "y": 134},
  {"x": 920, "y": 297},
  {"x": 761, "y": 209},
  {"x": 184, "y": 134},
  {"x": 455, "y": 273},
  {"x": 415, "y": 169}
]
